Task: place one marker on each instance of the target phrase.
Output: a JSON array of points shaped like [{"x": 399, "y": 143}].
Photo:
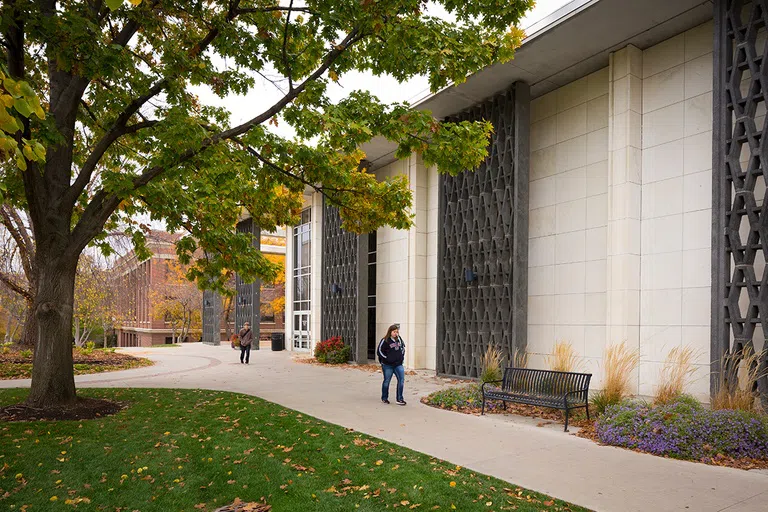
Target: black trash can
[{"x": 278, "y": 341}]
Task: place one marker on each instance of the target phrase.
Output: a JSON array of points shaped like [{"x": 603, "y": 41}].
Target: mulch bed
[
  {"x": 370, "y": 368},
  {"x": 82, "y": 409},
  {"x": 15, "y": 365},
  {"x": 548, "y": 416},
  {"x": 588, "y": 430}
]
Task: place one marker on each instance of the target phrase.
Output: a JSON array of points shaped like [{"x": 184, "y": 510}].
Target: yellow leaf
[
  {"x": 379, "y": 462},
  {"x": 333, "y": 76},
  {"x": 135, "y": 2},
  {"x": 54, "y": 498},
  {"x": 453, "y": 484}
]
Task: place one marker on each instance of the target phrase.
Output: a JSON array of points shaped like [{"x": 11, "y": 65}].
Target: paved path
[{"x": 511, "y": 448}]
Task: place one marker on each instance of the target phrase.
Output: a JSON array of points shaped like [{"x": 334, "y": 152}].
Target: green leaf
[
  {"x": 21, "y": 163},
  {"x": 22, "y": 107},
  {"x": 114, "y": 4}
]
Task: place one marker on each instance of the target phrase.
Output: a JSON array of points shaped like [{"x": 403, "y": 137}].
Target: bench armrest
[
  {"x": 482, "y": 388},
  {"x": 584, "y": 391}
]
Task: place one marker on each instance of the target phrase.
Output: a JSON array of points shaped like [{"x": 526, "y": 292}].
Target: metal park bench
[{"x": 543, "y": 388}]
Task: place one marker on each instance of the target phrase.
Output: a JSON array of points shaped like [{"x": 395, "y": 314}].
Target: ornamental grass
[
  {"x": 491, "y": 362},
  {"x": 737, "y": 381},
  {"x": 619, "y": 364},
  {"x": 676, "y": 374},
  {"x": 563, "y": 358}
]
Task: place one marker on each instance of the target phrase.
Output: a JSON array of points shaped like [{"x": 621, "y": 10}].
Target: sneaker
[
  {"x": 385, "y": 401},
  {"x": 401, "y": 402}
]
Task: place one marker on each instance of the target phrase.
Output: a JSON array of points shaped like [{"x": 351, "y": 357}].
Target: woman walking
[
  {"x": 246, "y": 339},
  {"x": 391, "y": 356}
]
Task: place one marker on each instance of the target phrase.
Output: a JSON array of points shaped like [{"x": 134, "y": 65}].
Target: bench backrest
[{"x": 545, "y": 382}]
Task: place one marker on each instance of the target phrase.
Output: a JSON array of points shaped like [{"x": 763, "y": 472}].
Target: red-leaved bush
[{"x": 332, "y": 351}]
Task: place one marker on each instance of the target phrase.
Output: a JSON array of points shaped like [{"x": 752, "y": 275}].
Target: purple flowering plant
[{"x": 685, "y": 429}]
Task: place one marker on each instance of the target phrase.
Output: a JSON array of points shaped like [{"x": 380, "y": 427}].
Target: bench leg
[
  {"x": 587, "y": 411},
  {"x": 482, "y": 411},
  {"x": 504, "y": 405},
  {"x": 566, "y": 420}
]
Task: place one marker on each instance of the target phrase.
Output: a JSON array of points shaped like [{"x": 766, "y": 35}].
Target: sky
[{"x": 386, "y": 88}]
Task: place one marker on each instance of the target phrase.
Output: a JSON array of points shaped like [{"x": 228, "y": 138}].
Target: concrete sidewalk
[{"x": 511, "y": 448}]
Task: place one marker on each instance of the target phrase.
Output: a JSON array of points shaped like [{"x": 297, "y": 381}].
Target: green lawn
[{"x": 187, "y": 450}]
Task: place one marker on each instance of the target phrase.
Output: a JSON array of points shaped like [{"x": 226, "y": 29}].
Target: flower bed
[{"x": 685, "y": 429}]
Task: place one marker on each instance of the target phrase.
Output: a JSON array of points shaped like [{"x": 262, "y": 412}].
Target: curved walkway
[{"x": 512, "y": 448}]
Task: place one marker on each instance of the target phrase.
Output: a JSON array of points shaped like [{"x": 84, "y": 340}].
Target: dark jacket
[
  {"x": 391, "y": 351},
  {"x": 246, "y": 337}
]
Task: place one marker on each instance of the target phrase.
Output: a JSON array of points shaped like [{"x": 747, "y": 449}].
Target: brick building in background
[{"x": 140, "y": 326}]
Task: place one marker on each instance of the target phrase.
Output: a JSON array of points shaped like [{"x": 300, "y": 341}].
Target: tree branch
[
  {"x": 257, "y": 10},
  {"x": 9, "y": 218},
  {"x": 287, "y": 64},
  {"x": 114, "y": 132},
  {"x": 104, "y": 204},
  {"x": 14, "y": 286}
]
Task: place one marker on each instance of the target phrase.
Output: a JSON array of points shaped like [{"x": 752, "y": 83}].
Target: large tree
[{"x": 118, "y": 131}]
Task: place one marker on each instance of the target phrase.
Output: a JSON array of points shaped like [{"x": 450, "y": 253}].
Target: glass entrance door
[{"x": 301, "y": 332}]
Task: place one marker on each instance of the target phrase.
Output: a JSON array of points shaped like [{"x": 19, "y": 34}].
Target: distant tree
[
  {"x": 95, "y": 305},
  {"x": 178, "y": 302}
]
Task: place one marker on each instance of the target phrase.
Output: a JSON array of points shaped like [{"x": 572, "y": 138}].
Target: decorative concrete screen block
[
  {"x": 247, "y": 302},
  {"x": 211, "y": 318},
  {"x": 740, "y": 211},
  {"x": 483, "y": 238},
  {"x": 344, "y": 284}
]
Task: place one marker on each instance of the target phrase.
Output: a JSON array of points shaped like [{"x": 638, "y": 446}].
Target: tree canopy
[{"x": 100, "y": 122}]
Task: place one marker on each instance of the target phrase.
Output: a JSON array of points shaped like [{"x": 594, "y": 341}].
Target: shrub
[
  {"x": 88, "y": 348},
  {"x": 458, "y": 397},
  {"x": 684, "y": 429},
  {"x": 332, "y": 351},
  {"x": 563, "y": 358},
  {"x": 675, "y": 375},
  {"x": 26, "y": 353},
  {"x": 6, "y": 347},
  {"x": 492, "y": 364},
  {"x": 739, "y": 373}
]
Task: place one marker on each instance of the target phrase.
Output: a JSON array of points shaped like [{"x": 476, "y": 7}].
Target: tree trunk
[
  {"x": 53, "y": 379},
  {"x": 29, "y": 334}
]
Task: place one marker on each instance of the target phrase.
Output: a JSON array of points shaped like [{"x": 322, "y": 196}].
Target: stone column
[{"x": 624, "y": 195}]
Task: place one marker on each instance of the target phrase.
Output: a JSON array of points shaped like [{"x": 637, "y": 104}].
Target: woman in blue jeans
[{"x": 391, "y": 353}]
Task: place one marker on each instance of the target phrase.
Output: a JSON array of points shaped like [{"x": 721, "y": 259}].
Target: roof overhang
[{"x": 571, "y": 43}]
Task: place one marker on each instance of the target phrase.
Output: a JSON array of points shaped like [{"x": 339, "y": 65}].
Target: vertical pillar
[
  {"x": 624, "y": 195},
  {"x": 361, "y": 343},
  {"x": 521, "y": 165},
  {"x": 415, "y": 324}
]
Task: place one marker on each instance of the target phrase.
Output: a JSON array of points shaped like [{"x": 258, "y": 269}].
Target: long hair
[{"x": 393, "y": 327}]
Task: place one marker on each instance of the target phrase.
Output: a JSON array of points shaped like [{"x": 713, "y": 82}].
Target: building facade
[
  {"x": 622, "y": 200},
  {"x": 261, "y": 304},
  {"x": 139, "y": 326}
]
